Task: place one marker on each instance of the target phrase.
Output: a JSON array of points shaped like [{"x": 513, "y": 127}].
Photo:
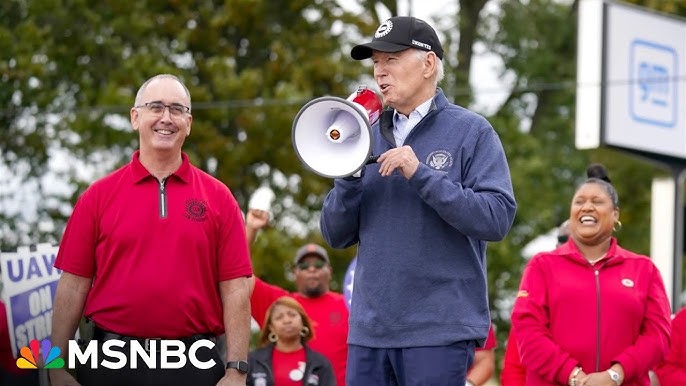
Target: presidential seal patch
[{"x": 439, "y": 159}]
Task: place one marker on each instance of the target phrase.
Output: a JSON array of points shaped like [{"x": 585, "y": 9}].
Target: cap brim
[
  {"x": 319, "y": 255},
  {"x": 364, "y": 51}
]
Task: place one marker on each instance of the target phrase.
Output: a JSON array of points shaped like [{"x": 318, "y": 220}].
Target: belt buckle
[{"x": 146, "y": 343}]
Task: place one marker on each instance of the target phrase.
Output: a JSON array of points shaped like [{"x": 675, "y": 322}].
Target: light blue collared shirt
[{"x": 402, "y": 125}]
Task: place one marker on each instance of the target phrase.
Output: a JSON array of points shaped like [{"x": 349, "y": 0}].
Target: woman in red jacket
[
  {"x": 673, "y": 370},
  {"x": 591, "y": 312}
]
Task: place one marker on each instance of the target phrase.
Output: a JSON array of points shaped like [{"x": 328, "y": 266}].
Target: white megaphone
[{"x": 332, "y": 136}]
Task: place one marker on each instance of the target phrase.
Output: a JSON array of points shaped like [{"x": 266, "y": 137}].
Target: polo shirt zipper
[{"x": 163, "y": 199}]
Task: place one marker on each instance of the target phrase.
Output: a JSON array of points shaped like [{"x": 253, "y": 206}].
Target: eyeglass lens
[{"x": 158, "y": 108}]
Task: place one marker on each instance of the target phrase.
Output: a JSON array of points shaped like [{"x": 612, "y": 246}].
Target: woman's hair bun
[{"x": 598, "y": 171}]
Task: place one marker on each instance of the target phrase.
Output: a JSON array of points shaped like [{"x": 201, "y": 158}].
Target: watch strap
[
  {"x": 240, "y": 366},
  {"x": 614, "y": 376}
]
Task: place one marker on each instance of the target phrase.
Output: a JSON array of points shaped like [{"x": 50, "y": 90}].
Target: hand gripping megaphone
[{"x": 332, "y": 136}]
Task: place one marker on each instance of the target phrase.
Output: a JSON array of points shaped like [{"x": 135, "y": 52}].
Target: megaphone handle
[{"x": 372, "y": 159}]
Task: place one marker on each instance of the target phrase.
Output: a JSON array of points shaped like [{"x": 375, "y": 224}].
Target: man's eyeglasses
[
  {"x": 561, "y": 239},
  {"x": 157, "y": 108},
  {"x": 303, "y": 265}
]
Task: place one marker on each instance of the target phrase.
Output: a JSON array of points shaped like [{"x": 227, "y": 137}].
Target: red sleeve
[
  {"x": 233, "y": 249},
  {"x": 530, "y": 318},
  {"x": 490, "y": 340},
  {"x": 7, "y": 361},
  {"x": 673, "y": 370},
  {"x": 513, "y": 373},
  {"x": 76, "y": 253},
  {"x": 262, "y": 297}
]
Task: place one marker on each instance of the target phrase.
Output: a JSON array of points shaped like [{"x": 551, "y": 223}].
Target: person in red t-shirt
[
  {"x": 156, "y": 250},
  {"x": 10, "y": 374},
  {"x": 484, "y": 362},
  {"x": 285, "y": 358},
  {"x": 327, "y": 309}
]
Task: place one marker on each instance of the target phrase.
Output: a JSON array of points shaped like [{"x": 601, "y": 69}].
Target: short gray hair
[
  {"x": 440, "y": 72},
  {"x": 141, "y": 90}
]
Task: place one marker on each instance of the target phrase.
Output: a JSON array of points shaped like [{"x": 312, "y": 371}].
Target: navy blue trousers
[{"x": 414, "y": 366}]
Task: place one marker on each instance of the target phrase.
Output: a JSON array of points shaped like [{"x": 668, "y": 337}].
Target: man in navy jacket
[{"x": 421, "y": 217}]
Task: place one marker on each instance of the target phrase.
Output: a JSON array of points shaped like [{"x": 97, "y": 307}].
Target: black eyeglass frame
[{"x": 172, "y": 108}]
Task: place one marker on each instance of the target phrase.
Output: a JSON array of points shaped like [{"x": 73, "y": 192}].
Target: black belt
[{"x": 102, "y": 335}]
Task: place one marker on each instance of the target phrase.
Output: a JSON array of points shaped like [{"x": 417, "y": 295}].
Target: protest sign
[{"x": 29, "y": 283}]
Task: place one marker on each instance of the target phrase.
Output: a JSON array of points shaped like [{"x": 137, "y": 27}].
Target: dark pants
[
  {"x": 144, "y": 376},
  {"x": 414, "y": 366},
  {"x": 20, "y": 378}
]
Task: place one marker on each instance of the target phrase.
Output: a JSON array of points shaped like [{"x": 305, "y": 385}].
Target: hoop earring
[
  {"x": 272, "y": 337},
  {"x": 617, "y": 227},
  {"x": 305, "y": 331}
]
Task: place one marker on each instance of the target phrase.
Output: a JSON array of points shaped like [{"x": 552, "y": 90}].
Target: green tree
[{"x": 72, "y": 69}]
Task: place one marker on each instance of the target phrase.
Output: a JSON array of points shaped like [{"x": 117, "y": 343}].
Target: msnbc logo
[{"x": 30, "y": 356}]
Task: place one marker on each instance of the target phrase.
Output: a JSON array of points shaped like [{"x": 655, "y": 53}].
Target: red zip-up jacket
[
  {"x": 570, "y": 313},
  {"x": 673, "y": 370}
]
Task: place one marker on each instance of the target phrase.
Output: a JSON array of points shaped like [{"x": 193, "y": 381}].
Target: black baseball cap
[{"x": 400, "y": 33}]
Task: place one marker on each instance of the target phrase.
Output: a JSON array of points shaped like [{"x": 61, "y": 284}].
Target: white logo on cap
[{"x": 384, "y": 29}]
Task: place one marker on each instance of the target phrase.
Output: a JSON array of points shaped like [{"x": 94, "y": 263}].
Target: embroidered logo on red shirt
[{"x": 196, "y": 210}]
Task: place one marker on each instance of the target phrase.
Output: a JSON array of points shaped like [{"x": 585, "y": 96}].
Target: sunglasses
[
  {"x": 318, "y": 264},
  {"x": 561, "y": 239}
]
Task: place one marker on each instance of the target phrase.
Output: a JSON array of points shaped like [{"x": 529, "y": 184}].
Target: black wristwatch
[{"x": 240, "y": 366}]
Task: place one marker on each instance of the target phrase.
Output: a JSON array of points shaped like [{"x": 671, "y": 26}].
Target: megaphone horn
[{"x": 332, "y": 136}]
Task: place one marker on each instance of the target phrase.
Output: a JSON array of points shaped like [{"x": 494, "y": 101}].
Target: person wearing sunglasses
[{"x": 312, "y": 271}]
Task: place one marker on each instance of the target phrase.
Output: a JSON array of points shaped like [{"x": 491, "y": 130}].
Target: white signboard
[
  {"x": 631, "y": 79},
  {"x": 29, "y": 282}
]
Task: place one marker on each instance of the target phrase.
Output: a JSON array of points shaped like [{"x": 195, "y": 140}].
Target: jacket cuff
[{"x": 565, "y": 371}]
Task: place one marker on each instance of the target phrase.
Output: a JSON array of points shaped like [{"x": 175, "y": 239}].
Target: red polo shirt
[{"x": 156, "y": 251}]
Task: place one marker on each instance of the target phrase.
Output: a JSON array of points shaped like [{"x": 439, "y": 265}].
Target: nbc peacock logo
[{"x": 29, "y": 356}]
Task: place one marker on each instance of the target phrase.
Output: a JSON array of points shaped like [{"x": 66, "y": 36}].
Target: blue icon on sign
[{"x": 653, "y": 95}]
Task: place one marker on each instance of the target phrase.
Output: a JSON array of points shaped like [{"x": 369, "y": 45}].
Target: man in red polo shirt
[
  {"x": 156, "y": 250},
  {"x": 326, "y": 308}
]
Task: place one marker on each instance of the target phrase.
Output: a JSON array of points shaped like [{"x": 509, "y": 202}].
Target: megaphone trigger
[{"x": 372, "y": 159}]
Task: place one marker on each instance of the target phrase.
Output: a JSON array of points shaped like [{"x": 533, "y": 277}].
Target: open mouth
[{"x": 588, "y": 220}]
